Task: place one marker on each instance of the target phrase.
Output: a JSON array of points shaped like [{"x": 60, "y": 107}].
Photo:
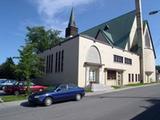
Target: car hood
[{"x": 42, "y": 92}]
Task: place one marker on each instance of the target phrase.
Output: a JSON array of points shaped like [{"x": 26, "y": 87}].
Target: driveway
[{"x": 133, "y": 104}]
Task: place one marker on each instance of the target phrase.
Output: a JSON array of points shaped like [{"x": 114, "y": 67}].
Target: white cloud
[{"x": 49, "y": 9}]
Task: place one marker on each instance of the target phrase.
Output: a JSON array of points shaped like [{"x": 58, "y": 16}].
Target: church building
[{"x": 115, "y": 53}]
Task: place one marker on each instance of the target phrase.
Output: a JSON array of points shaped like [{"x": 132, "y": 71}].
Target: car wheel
[
  {"x": 48, "y": 101},
  {"x": 40, "y": 90},
  {"x": 16, "y": 93},
  {"x": 3, "y": 87},
  {"x": 78, "y": 97}
]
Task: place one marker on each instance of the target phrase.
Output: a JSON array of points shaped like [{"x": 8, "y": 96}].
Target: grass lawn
[
  {"x": 9, "y": 98},
  {"x": 116, "y": 87},
  {"x": 132, "y": 85},
  {"x": 137, "y": 84},
  {"x": 88, "y": 89}
]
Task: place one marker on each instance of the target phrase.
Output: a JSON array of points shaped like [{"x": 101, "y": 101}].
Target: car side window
[
  {"x": 62, "y": 88},
  {"x": 71, "y": 86},
  {"x": 20, "y": 83}
]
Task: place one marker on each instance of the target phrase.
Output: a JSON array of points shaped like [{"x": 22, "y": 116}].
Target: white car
[{"x": 7, "y": 83}]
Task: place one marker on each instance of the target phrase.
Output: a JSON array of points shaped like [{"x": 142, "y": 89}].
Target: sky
[{"x": 16, "y": 15}]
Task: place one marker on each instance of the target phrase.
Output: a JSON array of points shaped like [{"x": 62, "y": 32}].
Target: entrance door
[
  {"x": 119, "y": 78},
  {"x": 93, "y": 75}
]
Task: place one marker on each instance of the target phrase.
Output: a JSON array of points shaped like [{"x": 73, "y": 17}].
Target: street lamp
[{"x": 154, "y": 12}]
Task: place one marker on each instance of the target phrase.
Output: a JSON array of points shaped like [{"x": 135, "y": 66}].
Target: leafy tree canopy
[
  {"x": 42, "y": 39},
  {"x": 7, "y": 69},
  {"x": 158, "y": 68},
  {"x": 30, "y": 63}
]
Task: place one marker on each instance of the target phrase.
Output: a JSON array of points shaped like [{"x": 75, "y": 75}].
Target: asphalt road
[{"x": 133, "y": 104}]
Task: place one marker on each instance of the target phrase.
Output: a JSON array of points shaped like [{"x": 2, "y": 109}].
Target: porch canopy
[
  {"x": 115, "y": 69},
  {"x": 93, "y": 64}
]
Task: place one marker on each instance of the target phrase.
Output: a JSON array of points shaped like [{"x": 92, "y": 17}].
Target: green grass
[
  {"x": 116, "y": 87},
  {"x": 139, "y": 84},
  {"x": 88, "y": 89},
  {"x": 136, "y": 84},
  {"x": 132, "y": 85},
  {"x": 9, "y": 98}
]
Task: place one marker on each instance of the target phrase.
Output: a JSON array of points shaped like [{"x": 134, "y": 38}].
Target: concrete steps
[{"x": 100, "y": 87}]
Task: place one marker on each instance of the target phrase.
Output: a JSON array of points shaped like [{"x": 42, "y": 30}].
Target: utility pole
[{"x": 140, "y": 38}]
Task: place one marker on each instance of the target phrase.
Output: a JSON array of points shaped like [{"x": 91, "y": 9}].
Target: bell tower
[{"x": 72, "y": 29}]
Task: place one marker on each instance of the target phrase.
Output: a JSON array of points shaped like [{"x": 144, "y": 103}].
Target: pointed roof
[
  {"x": 72, "y": 19},
  {"x": 116, "y": 31}
]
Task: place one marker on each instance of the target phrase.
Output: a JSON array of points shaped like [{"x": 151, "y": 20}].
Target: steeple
[
  {"x": 72, "y": 19},
  {"x": 71, "y": 30}
]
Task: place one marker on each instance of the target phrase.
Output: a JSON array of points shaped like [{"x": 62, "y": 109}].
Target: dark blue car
[{"x": 62, "y": 92}]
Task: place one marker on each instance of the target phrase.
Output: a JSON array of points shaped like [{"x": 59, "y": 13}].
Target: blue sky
[{"x": 15, "y": 15}]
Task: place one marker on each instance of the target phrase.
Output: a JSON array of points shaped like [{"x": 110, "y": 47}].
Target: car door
[{"x": 62, "y": 93}]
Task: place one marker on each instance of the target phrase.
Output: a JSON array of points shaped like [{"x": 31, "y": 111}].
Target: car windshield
[
  {"x": 24, "y": 83},
  {"x": 51, "y": 88},
  {"x": 2, "y": 81}
]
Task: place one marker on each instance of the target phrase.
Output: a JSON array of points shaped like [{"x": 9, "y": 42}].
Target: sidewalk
[
  {"x": 116, "y": 90},
  {"x": 11, "y": 104}
]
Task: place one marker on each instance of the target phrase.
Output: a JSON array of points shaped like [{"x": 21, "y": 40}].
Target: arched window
[
  {"x": 93, "y": 55},
  {"x": 147, "y": 40}
]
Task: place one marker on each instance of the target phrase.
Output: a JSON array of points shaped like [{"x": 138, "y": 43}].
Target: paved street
[{"x": 133, "y": 104}]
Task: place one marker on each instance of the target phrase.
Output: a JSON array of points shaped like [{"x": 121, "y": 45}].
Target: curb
[
  {"x": 10, "y": 104},
  {"x": 117, "y": 90}
]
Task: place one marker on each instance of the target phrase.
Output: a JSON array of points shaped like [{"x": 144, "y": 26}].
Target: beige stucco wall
[
  {"x": 70, "y": 71},
  {"x": 106, "y": 53},
  {"x": 149, "y": 59}
]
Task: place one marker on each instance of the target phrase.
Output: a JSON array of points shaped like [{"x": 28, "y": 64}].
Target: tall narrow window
[
  {"x": 47, "y": 64},
  {"x": 59, "y": 61},
  {"x": 132, "y": 77},
  {"x": 51, "y": 63},
  {"x": 56, "y": 62},
  {"x": 136, "y": 78},
  {"x": 62, "y": 60},
  {"x": 129, "y": 77},
  {"x": 139, "y": 78}
]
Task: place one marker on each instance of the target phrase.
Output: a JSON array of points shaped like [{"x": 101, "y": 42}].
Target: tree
[
  {"x": 42, "y": 39},
  {"x": 158, "y": 68},
  {"x": 7, "y": 69},
  {"x": 30, "y": 63}
]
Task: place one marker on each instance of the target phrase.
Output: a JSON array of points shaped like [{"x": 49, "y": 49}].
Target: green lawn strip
[
  {"x": 136, "y": 84},
  {"x": 88, "y": 89},
  {"x": 139, "y": 84},
  {"x": 117, "y": 87},
  {"x": 132, "y": 85},
  {"x": 9, "y": 98}
]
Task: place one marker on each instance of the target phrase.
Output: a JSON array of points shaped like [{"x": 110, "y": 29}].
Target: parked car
[
  {"x": 21, "y": 87},
  {"x": 7, "y": 83},
  {"x": 1, "y": 82},
  {"x": 62, "y": 92}
]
